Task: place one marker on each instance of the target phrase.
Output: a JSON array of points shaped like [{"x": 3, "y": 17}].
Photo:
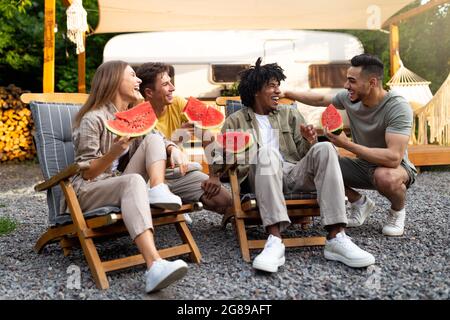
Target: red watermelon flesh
[
  {"x": 235, "y": 141},
  {"x": 332, "y": 120},
  {"x": 134, "y": 122},
  {"x": 204, "y": 117}
]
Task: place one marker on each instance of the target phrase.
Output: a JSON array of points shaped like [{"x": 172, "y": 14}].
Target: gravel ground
[{"x": 414, "y": 266}]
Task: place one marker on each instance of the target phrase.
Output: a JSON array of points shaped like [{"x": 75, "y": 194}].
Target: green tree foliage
[
  {"x": 21, "y": 43},
  {"x": 8, "y": 8},
  {"x": 425, "y": 45},
  {"x": 21, "y": 46}
]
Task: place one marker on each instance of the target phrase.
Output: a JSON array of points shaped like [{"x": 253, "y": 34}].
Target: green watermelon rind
[{"x": 243, "y": 149}]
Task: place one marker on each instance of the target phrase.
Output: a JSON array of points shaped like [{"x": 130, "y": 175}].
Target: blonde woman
[{"x": 118, "y": 168}]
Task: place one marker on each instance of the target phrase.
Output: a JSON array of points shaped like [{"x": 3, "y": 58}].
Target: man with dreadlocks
[{"x": 289, "y": 159}]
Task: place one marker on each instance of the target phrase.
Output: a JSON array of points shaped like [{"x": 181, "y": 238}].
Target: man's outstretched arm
[{"x": 309, "y": 98}]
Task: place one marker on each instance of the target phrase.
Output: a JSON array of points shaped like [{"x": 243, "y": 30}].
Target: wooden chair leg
[
  {"x": 243, "y": 241},
  {"x": 67, "y": 243},
  {"x": 186, "y": 236},
  {"x": 94, "y": 262}
]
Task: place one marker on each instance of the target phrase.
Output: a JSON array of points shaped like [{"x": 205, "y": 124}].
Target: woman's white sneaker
[
  {"x": 395, "y": 225},
  {"x": 341, "y": 248},
  {"x": 163, "y": 273}
]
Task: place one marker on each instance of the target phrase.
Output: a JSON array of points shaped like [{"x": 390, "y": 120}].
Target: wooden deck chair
[
  {"x": 52, "y": 115},
  {"x": 244, "y": 212}
]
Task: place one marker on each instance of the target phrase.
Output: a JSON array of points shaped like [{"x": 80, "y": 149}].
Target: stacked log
[{"x": 16, "y": 125}]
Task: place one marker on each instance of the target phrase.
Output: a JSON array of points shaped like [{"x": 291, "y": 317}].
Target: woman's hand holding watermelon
[{"x": 120, "y": 146}]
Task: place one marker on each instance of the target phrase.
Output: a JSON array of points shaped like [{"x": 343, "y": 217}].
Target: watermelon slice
[
  {"x": 134, "y": 122},
  {"x": 332, "y": 120},
  {"x": 203, "y": 116},
  {"x": 235, "y": 141}
]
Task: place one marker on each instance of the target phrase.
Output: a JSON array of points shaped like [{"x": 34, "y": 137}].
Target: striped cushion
[{"x": 53, "y": 139}]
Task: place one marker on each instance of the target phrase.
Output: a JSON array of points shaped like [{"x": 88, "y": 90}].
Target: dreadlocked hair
[{"x": 253, "y": 80}]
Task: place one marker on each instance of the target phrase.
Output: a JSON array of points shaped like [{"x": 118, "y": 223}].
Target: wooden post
[
  {"x": 49, "y": 46},
  {"x": 82, "y": 69},
  {"x": 394, "y": 48}
]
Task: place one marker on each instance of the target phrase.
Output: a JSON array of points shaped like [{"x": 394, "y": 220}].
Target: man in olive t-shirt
[{"x": 380, "y": 124}]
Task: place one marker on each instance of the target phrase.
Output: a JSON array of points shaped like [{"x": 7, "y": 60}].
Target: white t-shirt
[{"x": 267, "y": 136}]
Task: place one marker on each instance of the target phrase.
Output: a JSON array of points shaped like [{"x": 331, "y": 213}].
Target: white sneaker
[
  {"x": 160, "y": 196},
  {"x": 395, "y": 225},
  {"x": 359, "y": 213},
  {"x": 163, "y": 273},
  {"x": 271, "y": 257},
  {"x": 188, "y": 218},
  {"x": 344, "y": 250}
]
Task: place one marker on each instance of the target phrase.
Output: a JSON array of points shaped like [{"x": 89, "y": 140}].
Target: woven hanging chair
[{"x": 411, "y": 86}]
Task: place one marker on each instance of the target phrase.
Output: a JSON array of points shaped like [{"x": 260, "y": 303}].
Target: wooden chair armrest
[
  {"x": 61, "y": 97},
  {"x": 68, "y": 172}
]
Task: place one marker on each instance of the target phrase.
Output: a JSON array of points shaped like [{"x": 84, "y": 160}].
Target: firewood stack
[{"x": 16, "y": 125}]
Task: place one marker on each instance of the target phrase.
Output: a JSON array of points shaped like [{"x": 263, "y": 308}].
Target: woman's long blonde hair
[{"x": 104, "y": 87}]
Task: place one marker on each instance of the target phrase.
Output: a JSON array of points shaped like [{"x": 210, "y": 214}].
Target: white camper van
[{"x": 206, "y": 62}]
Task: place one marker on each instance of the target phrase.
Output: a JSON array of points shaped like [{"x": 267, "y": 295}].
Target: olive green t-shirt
[{"x": 369, "y": 125}]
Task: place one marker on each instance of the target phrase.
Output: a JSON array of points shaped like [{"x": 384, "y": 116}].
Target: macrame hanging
[
  {"x": 436, "y": 116},
  {"x": 414, "y": 89},
  {"x": 77, "y": 24}
]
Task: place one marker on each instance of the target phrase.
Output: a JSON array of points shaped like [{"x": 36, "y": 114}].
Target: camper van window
[
  {"x": 329, "y": 75},
  {"x": 222, "y": 73}
]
